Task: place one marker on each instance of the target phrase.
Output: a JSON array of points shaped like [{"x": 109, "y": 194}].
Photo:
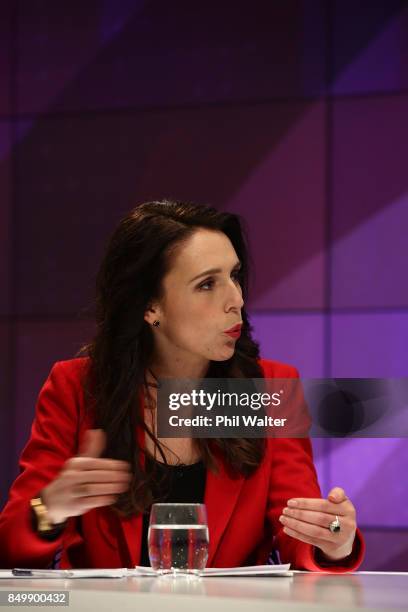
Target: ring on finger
[{"x": 334, "y": 526}]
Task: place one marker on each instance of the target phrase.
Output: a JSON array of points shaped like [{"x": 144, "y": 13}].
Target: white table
[{"x": 304, "y": 591}]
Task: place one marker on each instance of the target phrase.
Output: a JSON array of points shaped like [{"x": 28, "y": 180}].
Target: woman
[{"x": 172, "y": 283}]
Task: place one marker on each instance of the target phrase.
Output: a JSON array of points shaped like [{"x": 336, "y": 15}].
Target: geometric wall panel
[
  {"x": 370, "y": 345},
  {"x": 138, "y": 54},
  {"x": 6, "y": 409},
  {"x": 382, "y": 466},
  {"x": 39, "y": 345},
  {"x": 386, "y": 551},
  {"x": 370, "y": 47},
  {"x": 370, "y": 206},
  {"x": 293, "y": 339},
  {"x": 286, "y": 222},
  {"x": 6, "y": 37},
  {"x": 67, "y": 207},
  {"x": 5, "y": 217}
]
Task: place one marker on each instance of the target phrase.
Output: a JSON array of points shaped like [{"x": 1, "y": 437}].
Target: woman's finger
[
  {"x": 84, "y": 504},
  {"x": 320, "y": 505},
  {"x": 315, "y": 531},
  {"x": 305, "y": 538},
  {"x": 95, "y": 476},
  {"x": 310, "y": 516},
  {"x": 96, "y": 463},
  {"x": 87, "y": 489},
  {"x": 337, "y": 495}
]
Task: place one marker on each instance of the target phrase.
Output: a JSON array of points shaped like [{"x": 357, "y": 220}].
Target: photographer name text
[{"x": 226, "y": 421}]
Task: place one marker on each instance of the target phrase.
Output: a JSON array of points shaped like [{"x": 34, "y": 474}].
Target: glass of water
[{"x": 178, "y": 538}]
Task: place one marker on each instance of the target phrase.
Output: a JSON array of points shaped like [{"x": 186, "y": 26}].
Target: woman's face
[{"x": 202, "y": 299}]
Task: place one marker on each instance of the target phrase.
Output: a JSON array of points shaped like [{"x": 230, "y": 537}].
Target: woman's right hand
[{"x": 86, "y": 481}]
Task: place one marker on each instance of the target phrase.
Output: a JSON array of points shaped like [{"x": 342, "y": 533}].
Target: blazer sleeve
[
  {"x": 293, "y": 474},
  {"x": 53, "y": 440}
]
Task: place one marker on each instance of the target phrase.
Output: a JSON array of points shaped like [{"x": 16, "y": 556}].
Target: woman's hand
[
  {"x": 86, "y": 481},
  {"x": 308, "y": 520}
]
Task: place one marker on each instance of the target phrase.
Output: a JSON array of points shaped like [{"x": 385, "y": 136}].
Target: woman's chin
[{"x": 226, "y": 353}]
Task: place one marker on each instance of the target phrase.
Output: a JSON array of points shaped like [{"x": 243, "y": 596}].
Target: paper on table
[
  {"x": 250, "y": 570},
  {"x": 124, "y": 572},
  {"x": 65, "y": 573}
]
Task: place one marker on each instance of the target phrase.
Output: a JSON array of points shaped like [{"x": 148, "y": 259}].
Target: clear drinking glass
[{"x": 178, "y": 538}]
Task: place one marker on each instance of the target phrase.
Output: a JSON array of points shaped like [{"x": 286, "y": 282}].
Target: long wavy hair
[{"x": 138, "y": 256}]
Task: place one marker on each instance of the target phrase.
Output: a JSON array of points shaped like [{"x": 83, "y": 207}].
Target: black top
[{"x": 183, "y": 484}]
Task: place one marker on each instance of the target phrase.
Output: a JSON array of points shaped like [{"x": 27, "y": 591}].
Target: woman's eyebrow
[{"x": 214, "y": 271}]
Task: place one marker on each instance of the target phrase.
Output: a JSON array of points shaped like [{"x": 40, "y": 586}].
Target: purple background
[{"x": 293, "y": 114}]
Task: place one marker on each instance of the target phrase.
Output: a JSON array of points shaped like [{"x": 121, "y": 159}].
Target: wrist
[
  {"x": 44, "y": 523},
  {"x": 54, "y": 518},
  {"x": 331, "y": 559}
]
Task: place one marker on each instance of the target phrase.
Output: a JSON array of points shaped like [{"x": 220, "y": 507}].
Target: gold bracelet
[{"x": 41, "y": 514}]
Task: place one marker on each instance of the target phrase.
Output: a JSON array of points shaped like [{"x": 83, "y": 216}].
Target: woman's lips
[{"x": 234, "y": 332}]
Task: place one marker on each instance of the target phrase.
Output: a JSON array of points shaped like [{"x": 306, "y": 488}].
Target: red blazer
[{"x": 243, "y": 512}]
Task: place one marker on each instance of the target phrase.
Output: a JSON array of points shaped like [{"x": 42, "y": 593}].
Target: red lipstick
[{"x": 234, "y": 332}]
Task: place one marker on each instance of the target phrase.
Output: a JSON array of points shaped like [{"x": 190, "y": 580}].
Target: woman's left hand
[{"x": 308, "y": 519}]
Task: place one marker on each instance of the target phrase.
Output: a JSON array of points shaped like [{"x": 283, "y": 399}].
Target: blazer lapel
[
  {"x": 221, "y": 495},
  {"x": 132, "y": 530}
]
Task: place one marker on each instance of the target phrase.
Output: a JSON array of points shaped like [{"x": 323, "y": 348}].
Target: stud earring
[{"x": 156, "y": 323}]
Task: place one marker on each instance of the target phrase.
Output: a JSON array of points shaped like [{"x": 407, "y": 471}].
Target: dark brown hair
[{"x": 137, "y": 258}]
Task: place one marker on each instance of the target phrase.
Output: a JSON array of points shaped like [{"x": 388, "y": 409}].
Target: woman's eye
[{"x": 206, "y": 283}]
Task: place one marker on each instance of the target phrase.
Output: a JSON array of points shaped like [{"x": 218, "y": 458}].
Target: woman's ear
[{"x": 152, "y": 313}]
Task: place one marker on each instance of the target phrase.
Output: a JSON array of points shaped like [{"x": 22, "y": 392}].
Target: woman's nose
[{"x": 236, "y": 299}]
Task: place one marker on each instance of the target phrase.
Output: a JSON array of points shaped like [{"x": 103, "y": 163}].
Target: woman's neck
[{"x": 178, "y": 369}]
